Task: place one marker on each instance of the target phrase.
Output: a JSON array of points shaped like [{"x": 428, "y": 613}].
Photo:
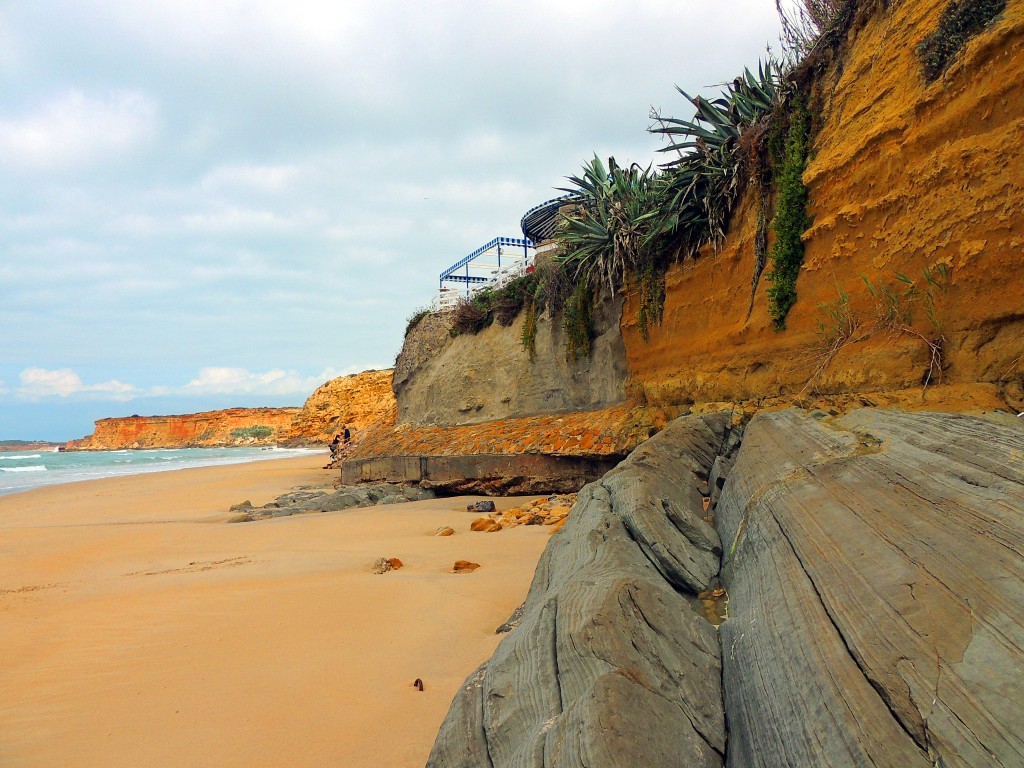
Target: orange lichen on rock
[
  {"x": 234, "y": 426},
  {"x": 359, "y": 401},
  {"x": 903, "y": 176},
  {"x": 607, "y": 432}
]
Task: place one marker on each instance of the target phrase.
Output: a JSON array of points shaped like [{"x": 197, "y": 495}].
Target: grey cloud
[{"x": 302, "y": 178}]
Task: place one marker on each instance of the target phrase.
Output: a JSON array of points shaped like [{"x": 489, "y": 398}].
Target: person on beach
[
  {"x": 348, "y": 437},
  {"x": 335, "y": 446}
]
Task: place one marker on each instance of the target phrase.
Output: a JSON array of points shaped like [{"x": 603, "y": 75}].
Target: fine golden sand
[{"x": 139, "y": 628}]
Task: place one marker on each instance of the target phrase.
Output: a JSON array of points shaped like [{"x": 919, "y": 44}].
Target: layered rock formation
[
  {"x": 902, "y": 176},
  {"x": 610, "y": 663},
  {"x": 230, "y": 427},
  {"x": 874, "y": 577},
  {"x": 360, "y": 401},
  {"x": 442, "y": 381},
  {"x": 538, "y": 454}
]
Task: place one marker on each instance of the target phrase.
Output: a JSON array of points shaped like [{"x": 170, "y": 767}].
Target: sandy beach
[{"x": 139, "y": 628}]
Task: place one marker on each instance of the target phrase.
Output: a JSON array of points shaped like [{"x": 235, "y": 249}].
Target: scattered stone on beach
[
  {"x": 481, "y": 506},
  {"x": 485, "y": 524},
  {"x": 382, "y": 565},
  {"x": 444, "y": 530},
  {"x": 385, "y": 564},
  {"x": 547, "y": 510},
  {"x": 310, "y": 499},
  {"x": 464, "y": 566}
]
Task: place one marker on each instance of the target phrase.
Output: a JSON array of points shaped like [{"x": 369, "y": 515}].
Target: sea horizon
[{"x": 34, "y": 468}]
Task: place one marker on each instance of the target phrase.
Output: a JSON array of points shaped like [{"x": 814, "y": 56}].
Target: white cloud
[
  {"x": 39, "y": 383},
  {"x": 73, "y": 128},
  {"x": 240, "y": 220},
  {"x": 237, "y": 381},
  {"x": 262, "y": 178}
]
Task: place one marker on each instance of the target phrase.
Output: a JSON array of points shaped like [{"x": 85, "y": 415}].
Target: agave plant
[
  {"x": 701, "y": 184},
  {"x": 609, "y": 232}
]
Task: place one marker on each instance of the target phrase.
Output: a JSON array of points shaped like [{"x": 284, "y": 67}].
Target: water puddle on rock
[{"x": 713, "y": 604}]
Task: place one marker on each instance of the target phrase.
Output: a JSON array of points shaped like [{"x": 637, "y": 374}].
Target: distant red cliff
[{"x": 230, "y": 427}]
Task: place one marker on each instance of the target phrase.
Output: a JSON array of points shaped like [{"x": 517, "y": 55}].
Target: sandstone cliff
[
  {"x": 903, "y": 176},
  {"x": 440, "y": 380},
  {"x": 360, "y": 401},
  {"x": 234, "y": 426}
]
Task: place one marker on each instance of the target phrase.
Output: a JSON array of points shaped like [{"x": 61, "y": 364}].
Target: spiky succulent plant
[
  {"x": 700, "y": 185},
  {"x": 612, "y": 225}
]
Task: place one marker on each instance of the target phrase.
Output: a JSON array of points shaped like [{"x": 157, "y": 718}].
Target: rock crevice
[{"x": 610, "y": 663}]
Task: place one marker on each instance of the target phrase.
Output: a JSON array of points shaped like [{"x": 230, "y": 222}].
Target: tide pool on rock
[{"x": 35, "y": 469}]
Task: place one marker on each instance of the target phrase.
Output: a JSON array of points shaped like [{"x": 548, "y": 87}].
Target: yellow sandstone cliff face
[
  {"x": 234, "y": 426},
  {"x": 360, "y": 401},
  {"x": 903, "y": 176}
]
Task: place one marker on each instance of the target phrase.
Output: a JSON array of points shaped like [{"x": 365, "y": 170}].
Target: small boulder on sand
[
  {"x": 485, "y": 524},
  {"x": 480, "y": 506},
  {"x": 385, "y": 564},
  {"x": 464, "y": 566},
  {"x": 444, "y": 530}
]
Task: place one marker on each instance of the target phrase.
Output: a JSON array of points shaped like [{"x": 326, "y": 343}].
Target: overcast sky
[{"x": 227, "y": 202}]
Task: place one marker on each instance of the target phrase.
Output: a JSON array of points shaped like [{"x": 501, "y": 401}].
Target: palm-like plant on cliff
[
  {"x": 700, "y": 186},
  {"x": 610, "y": 230}
]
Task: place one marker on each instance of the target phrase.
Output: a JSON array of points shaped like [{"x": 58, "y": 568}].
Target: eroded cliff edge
[
  {"x": 229, "y": 427},
  {"x": 874, "y": 571},
  {"x": 903, "y": 176},
  {"x": 441, "y": 380}
]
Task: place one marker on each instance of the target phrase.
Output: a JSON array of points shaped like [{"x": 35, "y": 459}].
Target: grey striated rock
[
  {"x": 440, "y": 380},
  {"x": 610, "y": 664},
  {"x": 307, "y": 500},
  {"x": 876, "y": 581}
]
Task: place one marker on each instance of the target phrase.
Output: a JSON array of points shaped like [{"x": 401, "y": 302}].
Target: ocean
[{"x": 34, "y": 469}]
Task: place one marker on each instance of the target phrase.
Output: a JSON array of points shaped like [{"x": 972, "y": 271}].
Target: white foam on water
[
  {"x": 20, "y": 457},
  {"x": 33, "y": 468}
]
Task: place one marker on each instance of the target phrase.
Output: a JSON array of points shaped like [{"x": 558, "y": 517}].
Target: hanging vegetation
[
  {"x": 577, "y": 322},
  {"x": 528, "y": 333},
  {"x": 787, "y": 254}
]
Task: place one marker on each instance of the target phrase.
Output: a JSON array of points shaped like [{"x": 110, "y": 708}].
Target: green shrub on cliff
[
  {"x": 610, "y": 233},
  {"x": 258, "y": 431},
  {"x": 415, "y": 319},
  {"x": 961, "y": 20},
  {"x": 787, "y": 254},
  {"x": 493, "y": 304}
]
